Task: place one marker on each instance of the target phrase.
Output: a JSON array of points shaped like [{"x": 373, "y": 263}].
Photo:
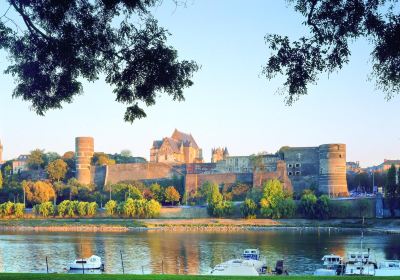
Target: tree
[
  {"x": 111, "y": 207},
  {"x": 171, "y": 195},
  {"x": 126, "y": 153},
  {"x": 249, "y": 209},
  {"x": 158, "y": 192},
  {"x": 36, "y": 159},
  {"x": 333, "y": 26},
  {"x": 272, "y": 202},
  {"x": 1, "y": 179},
  {"x": 38, "y": 192},
  {"x": 308, "y": 205},
  {"x": 57, "y": 169},
  {"x": 102, "y": 159},
  {"x": 391, "y": 189},
  {"x": 322, "y": 209},
  {"x": 60, "y": 43},
  {"x": 153, "y": 208}
]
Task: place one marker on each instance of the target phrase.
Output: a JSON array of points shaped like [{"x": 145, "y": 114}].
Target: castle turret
[
  {"x": 332, "y": 173},
  {"x": 84, "y": 150}
]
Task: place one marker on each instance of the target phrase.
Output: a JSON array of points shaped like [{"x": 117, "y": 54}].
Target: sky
[{"x": 230, "y": 104}]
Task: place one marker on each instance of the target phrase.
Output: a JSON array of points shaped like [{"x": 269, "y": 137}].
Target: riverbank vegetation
[{"x": 37, "y": 276}]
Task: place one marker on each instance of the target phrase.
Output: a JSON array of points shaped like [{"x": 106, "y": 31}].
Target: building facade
[
  {"x": 218, "y": 154},
  {"x": 180, "y": 148},
  {"x": 20, "y": 164}
]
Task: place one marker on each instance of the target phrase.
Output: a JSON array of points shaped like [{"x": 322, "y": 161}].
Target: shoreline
[{"x": 196, "y": 225}]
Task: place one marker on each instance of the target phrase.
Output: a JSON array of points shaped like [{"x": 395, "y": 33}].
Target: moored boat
[
  {"x": 248, "y": 265},
  {"x": 92, "y": 263},
  {"x": 332, "y": 265},
  {"x": 388, "y": 268},
  {"x": 360, "y": 263}
]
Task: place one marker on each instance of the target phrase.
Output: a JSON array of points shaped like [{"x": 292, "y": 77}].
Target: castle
[
  {"x": 179, "y": 148},
  {"x": 298, "y": 168}
]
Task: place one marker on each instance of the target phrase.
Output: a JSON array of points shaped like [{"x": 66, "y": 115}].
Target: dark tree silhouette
[
  {"x": 333, "y": 25},
  {"x": 55, "y": 44}
]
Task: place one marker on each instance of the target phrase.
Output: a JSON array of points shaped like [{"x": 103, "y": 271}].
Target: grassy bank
[
  {"x": 209, "y": 224},
  {"x": 23, "y": 276}
]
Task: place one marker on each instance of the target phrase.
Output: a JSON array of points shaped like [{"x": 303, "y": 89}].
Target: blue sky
[{"x": 231, "y": 104}]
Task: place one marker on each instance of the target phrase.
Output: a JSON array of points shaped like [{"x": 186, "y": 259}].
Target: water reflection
[{"x": 182, "y": 252}]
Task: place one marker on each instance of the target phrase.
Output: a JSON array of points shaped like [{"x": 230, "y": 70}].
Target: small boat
[
  {"x": 92, "y": 263},
  {"x": 248, "y": 265},
  {"x": 360, "y": 263},
  {"x": 332, "y": 265},
  {"x": 388, "y": 268}
]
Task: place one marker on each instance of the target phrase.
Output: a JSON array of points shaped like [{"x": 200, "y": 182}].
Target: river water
[{"x": 184, "y": 252}]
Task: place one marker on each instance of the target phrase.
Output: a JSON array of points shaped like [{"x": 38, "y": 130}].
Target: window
[
  {"x": 290, "y": 173},
  {"x": 290, "y": 165},
  {"x": 297, "y": 165},
  {"x": 298, "y": 173}
]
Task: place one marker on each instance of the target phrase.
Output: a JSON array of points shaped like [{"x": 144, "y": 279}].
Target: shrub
[
  {"x": 62, "y": 208},
  {"x": 140, "y": 207},
  {"x": 171, "y": 195},
  {"x": 129, "y": 209},
  {"x": 249, "y": 209},
  {"x": 157, "y": 191},
  {"x": 73, "y": 208},
  {"x": 322, "y": 210},
  {"x": 92, "y": 209},
  {"x": 7, "y": 208},
  {"x": 307, "y": 205},
  {"x": 45, "y": 209},
  {"x": 153, "y": 208},
  {"x": 82, "y": 208},
  {"x": 111, "y": 207},
  {"x": 19, "y": 210},
  {"x": 286, "y": 208}
]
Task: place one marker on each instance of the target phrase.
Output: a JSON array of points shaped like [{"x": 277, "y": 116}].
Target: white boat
[
  {"x": 332, "y": 265},
  {"x": 248, "y": 265},
  {"x": 388, "y": 268},
  {"x": 360, "y": 263},
  {"x": 91, "y": 263}
]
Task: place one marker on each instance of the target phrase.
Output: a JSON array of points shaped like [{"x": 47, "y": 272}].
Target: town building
[
  {"x": 386, "y": 164},
  {"x": 179, "y": 148},
  {"x": 20, "y": 164}
]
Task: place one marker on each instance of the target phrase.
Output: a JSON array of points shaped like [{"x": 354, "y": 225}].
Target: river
[{"x": 184, "y": 252}]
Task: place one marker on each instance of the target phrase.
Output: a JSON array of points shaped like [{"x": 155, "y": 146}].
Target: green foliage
[
  {"x": 122, "y": 191},
  {"x": 249, "y": 209},
  {"x": 217, "y": 206},
  {"x": 7, "y": 208},
  {"x": 158, "y": 192},
  {"x": 153, "y": 208},
  {"x": 36, "y": 159},
  {"x": 82, "y": 208},
  {"x": 72, "y": 210},
  {"x": 19, "y": 210},
  {"x": 111, "y": 207},
  {"x": 171, "y": 195},
  {"x": 322, "y": 209},
  {"x": 362, "y": 205},
  {"x": 62, "y": 208},
  {"x": 308, "y": 204},
  {"x": 102, "y": 159},
  {"x": 391, "y": 189},
  {"x": 255, "y": 194},
  {"x": 140, "y": 207},
  {"x": 332, "y": 27},
  {"x": 1, "y": 179},
  {"x": 38, "y": 192},
  {"x": 92, "y": 208},
  {"x": 129, "y": 208},
  {"x": 45, "y": 209},
  {"x": 276, "y": 203},
  {"x": 237, "y": 192},
  {"x": 57, "y": 169}
]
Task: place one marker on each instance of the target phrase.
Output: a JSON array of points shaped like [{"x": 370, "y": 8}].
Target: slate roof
[{"x": 177, "y": 139}]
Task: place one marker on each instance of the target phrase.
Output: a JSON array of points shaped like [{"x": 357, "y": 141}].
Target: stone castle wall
[
  {"x": 134, "y": 172},
  {"x": 194, "y": 181}
]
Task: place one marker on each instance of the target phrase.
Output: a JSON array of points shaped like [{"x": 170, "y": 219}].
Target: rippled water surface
[{"x": 183, "y": 252}]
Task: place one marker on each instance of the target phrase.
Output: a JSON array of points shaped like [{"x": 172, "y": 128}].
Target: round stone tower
[
  {"x": 84, "y": 149},
  {"x": 332, "y": 169}
]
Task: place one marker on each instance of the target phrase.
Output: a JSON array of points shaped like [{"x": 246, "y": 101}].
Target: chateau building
[
  {"x": 218, "y": 154},
  {"x": 179, "y": 148},
  {"x": 20, "y": 164}
]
